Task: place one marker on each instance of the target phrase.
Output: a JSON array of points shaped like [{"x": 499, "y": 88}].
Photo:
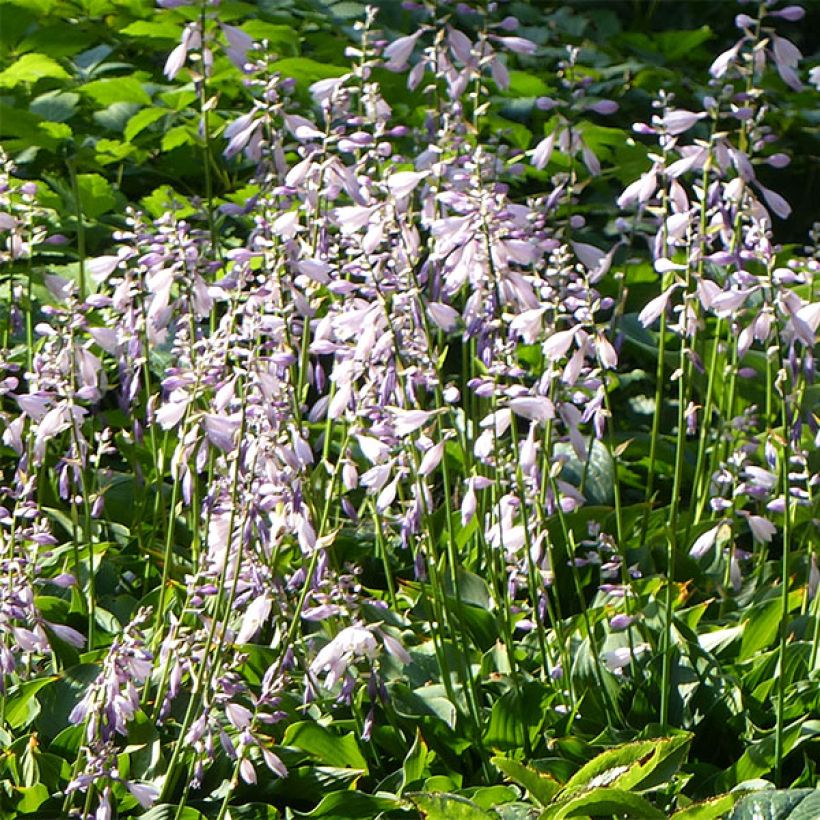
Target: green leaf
[
  {"x": 97, "y": 197},
  {"x": 415, "y": 763},
  {"x": 708, "y": 809},
  {"x": 540, "y": 786},
  {"x": 604, "y": 801},
  {"x": 785, "y": 804},
  {"x": 641, "y": 764},
  {"x": 177, "y": 137},
  {"x": 325, "y": 745},
  {"x": 31, "y": 798},
  {"x": 168, "y": 811},
  {"x": 153, "y": 30},
  {"x": 514, "y": 716},
  {"x": 254, "y": 811},
  {"x": 281, "y": 39},
  {"x": 55, "y": 106},
  {"x": 761, "y": 628},
  {"x": 341, "y": 805},
  {"x": 30, "y": 68},
  {"x": 306, "y": 71},
  {"x": 447, "y": 807},
  {"x": 116, "y": 89},
  {"x": 141, "y": 120},
  {"x": 21, "y": 705}
]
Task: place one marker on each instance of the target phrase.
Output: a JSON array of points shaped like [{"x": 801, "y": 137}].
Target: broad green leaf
[
  {"x": 598, "y": 477},
  {"x": 153, "y": 30},
  {"x": 604, "y": 801},
  {"x": 490, "y": 797},
  {"x": 141, "y": 120},
  {"x": 97, "y": 197},
  {"x": 31, "y": 798},
  {"x": 116, "y": 89},
  {"x": 761, "y": 627},
  {"x": 786, "y": 804},
  {"x": 55, "y": 106},
  {"x": 514, "y": 716},
  {"x": 306, "y": 71},
  {"x": 445, "y": 806},
  {"x": 708, "y": 809},
  {"x": 632, "y": 765},
  {"x": 254, "y": 811},
  {"x": 21, "y": 705},
  {"x": 541, "y": 787},
  {"x": 116, "y": 115},
  {"x": 168, "y": 811},
  {"x": 30, "y": 68},
  {"x": 325, "y": 745},
  {"x": 415, "y": 763},
  {"x": 341, "y": 805},
  {"x": 177, "y": 137},
  {"x": 282, "y": 40}
]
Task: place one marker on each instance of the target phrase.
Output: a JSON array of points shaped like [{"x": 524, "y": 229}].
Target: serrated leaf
[
  {"x": 177, "y": 137},
  {"x": 30, "y": 798},
  {"x": 97, "y": 197},
  {"x": 30, "y": 68},
  {"x": 540, "y": 786}
]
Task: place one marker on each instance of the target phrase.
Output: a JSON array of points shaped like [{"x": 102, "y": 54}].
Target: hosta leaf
[
  {"x": 341, "y": 805},
  {"x": 708, "y": 809},
  {"x": 167, "y": 811},
  {"x": 21, "y": 705},
  {"x": 448, "y": 807},
  {"x": 641, "y": 764},
  {"x": 760, "y": 629},
  {"x": 786, "y": 804},
  {"x": 541, "y": 787},
  {"x": 415, "y": 763},
  {"x": 325, "y": 745},
  {"x": 604, "y": 801}
]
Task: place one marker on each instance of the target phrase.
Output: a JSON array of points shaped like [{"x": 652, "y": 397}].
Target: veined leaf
[
  {"x": 541, "y": 787},
  {"x": 30, "y": 68},
  {"x": 604, "y": 801},
  {"x": 446, "y": 806}
]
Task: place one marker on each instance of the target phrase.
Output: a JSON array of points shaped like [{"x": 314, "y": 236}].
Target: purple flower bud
[
  {"x": 778, "y": 160},
  {"x": 604, "y": 107},
  {"x": 620, "y": 621},
  {"x": 790, "y": 13},
  {"x": 511, "y": 23}
]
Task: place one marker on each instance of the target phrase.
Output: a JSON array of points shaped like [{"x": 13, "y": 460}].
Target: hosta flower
[{"x": 351, "y": 644}]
